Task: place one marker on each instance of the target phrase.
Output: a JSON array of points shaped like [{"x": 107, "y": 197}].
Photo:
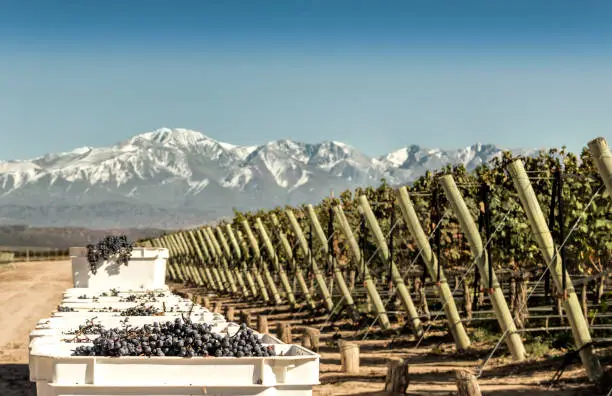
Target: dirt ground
[
  {"x": 30, "y": 291},
  {"x": 432, "y": 366}
]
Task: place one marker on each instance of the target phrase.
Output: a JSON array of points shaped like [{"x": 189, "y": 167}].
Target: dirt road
[{"x": 28, "y": 293}]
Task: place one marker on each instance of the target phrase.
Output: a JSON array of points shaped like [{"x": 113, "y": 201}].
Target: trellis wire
[
  {"x": 431, "y": 234},
  {"x": 554, "y": 257},
  {"x": 464, "y": 276},
  {"x": 371, "y": 258}
]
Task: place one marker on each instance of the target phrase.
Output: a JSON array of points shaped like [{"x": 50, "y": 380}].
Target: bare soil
[
  {"x": 432, "y": 366},
  {"x": 30, "y": 291}
]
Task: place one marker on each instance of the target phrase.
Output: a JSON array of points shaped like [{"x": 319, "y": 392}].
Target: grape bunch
[
  {"x": 140, "y": 310},
  {"x": 178, "y": 338},
  {"x": 112, "y": 247},
  {"x": 62, "y": 308}
]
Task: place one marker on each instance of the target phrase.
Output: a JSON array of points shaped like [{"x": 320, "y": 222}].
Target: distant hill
[{"x": 19, "y": 237}]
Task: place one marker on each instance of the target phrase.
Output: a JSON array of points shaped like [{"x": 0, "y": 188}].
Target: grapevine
[{"x": 113, "y": 247}]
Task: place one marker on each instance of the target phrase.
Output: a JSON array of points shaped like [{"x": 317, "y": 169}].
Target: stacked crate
[{"x": 293, "y": 370}]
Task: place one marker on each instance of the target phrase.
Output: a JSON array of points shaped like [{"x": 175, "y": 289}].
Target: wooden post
[
  {"x": 541, "y": 233},
  {"x": 255, "y": 291},
  {"x": 223, "y": 258},
  {"x": 349, "y": 357},
  {"x": 240, "y": 270},
  {"x": 209, "y": 262},
  {"x": 262, "y": 324},
  {"x": 373, "y": 295},
  {"x": 467, "y": 384},
  {"x": 600, "y": 152},
  {"x": 217, "y": 273},
  {"x": 411, "y": 220},
  {"x": 180, "y": 257},
  {"x": 585, "y": 301},
  {"x": 256, "y": 252},
  {"x": 346, "y": 294},
  {"x": 229, "y": 314},
  {"x": 297, "y": 229},
  {"x": 217, "y": 308},
  {"x": 245, "y": 318},
  {"x": 467, "y": 300},
  {"x": 229, "y": 257},
  {"x": 199, "y": 266},
  {"x": 478, "y": 249},
  {"x": 397, "y": 380},
  {"x": 383, "y": 253},
  {"x": 263, "y": 233},
  {"x": 283, "y": 332},
  {"x": 189, "y": 258},
  {"x": 310, "y": 338},
  {"x": 299, "y": 275}
]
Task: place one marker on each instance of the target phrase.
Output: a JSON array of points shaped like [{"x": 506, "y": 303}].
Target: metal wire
[
  {"x": 553, "y": 258},
  {"x": 464, "y": 275},
  {"x": 431, "y": 234}
]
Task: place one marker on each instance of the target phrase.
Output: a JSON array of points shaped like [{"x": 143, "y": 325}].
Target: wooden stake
[
  {"x": 541, "y": 234},
  {"x": 229, "y": 314},
  {"x": 245, "y": 318},
  {"x": 310, "y": 339},
  {"x": 467, "y": 300},
  {"x": 262, "y": 324},
  {"x": 349, "y": 357},
  {"x": 217, "y": 308},
  {"x": 383, "y": 253},
  {"x": 488, "y": 278},
  {"x": 412, "y": 222},
  {"x": 467, "y": 385},
  {"x": 397, "y": 380},
  {"x": 283, "y": 332},
  {"x": 600, "y": 152},
  {"x": 584, "y": 300}
]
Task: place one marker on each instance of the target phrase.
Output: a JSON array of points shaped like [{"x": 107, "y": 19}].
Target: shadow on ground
[{"x": 15, "y": 380}]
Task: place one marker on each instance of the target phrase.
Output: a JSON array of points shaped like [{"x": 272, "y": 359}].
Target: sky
[{"x": 378, "y": 75}]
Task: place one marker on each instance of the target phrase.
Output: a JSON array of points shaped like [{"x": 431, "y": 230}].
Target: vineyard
[{"x": 517, "y": 252}]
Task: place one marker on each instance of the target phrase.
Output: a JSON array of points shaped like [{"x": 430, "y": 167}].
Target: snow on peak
[
  {"x": 176, "y": 136},
  {"x": 396, "y": 158},
  {"x": 167, "y": 156}
]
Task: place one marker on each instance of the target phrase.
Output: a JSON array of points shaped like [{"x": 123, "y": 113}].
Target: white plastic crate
[
  {"x": 78, "y": 291},
  {"x": 146, "y": 269},
  {"x": 92, "y": 297},
  {"x": 87, "y": 305},
  {"x": 84, "y": 315},
  {"x": 51, "y": 362},
  {"x": 47, "y": 389},
  {"x": 56, "y": 373},
  {"x": 51, "y": 336},
  {"x": 112, "y": 300},
  {"x": 68, "y": 323}
]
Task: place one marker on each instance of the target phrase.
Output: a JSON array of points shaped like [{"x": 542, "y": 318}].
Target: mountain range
[{"x": 178, "y": 177}]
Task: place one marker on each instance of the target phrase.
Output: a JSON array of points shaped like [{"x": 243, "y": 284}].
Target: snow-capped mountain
[{"x": 174, "y": 177}]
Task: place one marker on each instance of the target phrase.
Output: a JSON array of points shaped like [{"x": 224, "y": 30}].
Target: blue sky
[{"x": 378, "y": 75}]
